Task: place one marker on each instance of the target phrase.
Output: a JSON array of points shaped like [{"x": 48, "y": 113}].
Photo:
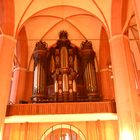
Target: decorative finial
[
  {"x": 86, "y": 44},
  {"x": 41, "y": 45},
  {"x": 63, "y": 34}
]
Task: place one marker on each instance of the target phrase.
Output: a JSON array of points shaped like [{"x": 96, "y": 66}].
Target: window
[{"x": 63, "y": 132}]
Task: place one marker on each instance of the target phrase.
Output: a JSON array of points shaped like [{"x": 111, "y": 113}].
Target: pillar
[
  {"x": 18, "y": 85},
  {"x": 124, "y": 83},
  {"x": 18, "y": 92},
  {"x": 105, "y": 71},
  {"x": 7, "y": 46}
]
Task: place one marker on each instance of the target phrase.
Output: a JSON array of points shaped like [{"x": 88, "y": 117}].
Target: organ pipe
[
  {"x": 52, "y": 66},
  {"x": 75, "y": 64},
  {"x": 55, "y": 86},
  {"x": 39, "y": 89},
  {"x": 74, "y": 86},
  {"x": 88, "y": 56},
  {"x": 64, "y": 57},
  {"x": 65, "y": 83}
]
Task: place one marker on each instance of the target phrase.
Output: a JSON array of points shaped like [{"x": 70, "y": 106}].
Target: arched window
[{"x": 63, "y": 132}]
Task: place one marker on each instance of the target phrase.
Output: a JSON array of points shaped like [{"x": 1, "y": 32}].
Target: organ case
[{"x": 68, "y": 72}]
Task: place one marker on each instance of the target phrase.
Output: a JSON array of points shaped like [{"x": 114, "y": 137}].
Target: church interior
[{"x": 69, "y": 70}]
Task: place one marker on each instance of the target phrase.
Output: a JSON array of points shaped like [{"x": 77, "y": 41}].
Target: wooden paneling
[
  {"x": 61, "y": 108},
  {"x": 95, "y": 130}
]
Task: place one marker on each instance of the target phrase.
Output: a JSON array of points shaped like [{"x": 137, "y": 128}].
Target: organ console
[{"x": 64, "y": 73}]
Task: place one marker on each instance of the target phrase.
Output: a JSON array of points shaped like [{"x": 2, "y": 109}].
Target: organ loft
[{"x": 64, "y": 72}]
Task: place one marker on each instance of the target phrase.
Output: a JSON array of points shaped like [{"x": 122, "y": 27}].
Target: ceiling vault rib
[
  {"x": 59, "y": 23},
  {"x": 132, "y": 27},
  {"x": 66, "y": 19},
  {"x": 102, "y": 15},
  {"x": 75, "y": 28},
  {"x": 127, "y": 24},
  {"x": 130, "y": 19},
  {"x": 51, "y": 29},
  {"x": 16, "y": 33},
  {"x": 61, "y": 6},
  {"x": 91, "y": 15},
  {"x": 38, "y": 16},
  {"x": 137, "y": 40}
]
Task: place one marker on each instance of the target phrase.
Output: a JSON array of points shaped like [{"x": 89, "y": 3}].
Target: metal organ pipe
[
  {"x": 55, "y": 86},
  {"x": 35, "y": 78},
  {"x": 64, "y": 57},
  {"x": 88, "y": 56},
  {"x": 74, "y": 86},
  {"x": 65, "y": 83},
  {"x": 75, "y": 64},
  {"x": 39, "y": 89},
  {"x": 52, "y": 69}
]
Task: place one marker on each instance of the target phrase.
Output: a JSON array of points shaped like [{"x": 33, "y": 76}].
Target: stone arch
[{"x": 22, "y": 48}]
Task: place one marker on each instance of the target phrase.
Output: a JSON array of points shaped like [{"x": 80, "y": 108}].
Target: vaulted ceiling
[
  {"x": 44, "y": 19},
  {"x": 51, "y": 15}
]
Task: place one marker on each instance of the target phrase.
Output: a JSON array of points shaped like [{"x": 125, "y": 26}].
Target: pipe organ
[{"x": 64, "y": 73}]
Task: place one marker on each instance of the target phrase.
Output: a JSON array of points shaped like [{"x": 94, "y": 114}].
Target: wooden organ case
[{"x": 64, "y": 73}]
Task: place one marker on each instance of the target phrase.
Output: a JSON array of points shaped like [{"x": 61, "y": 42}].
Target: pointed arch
[
  {"x": 31, "y": 2},
  {"x": 22, "y": 48}
]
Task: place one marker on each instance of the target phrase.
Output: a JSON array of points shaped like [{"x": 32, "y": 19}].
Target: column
[
  {"x": 7, "y": 46},
  {"x": 104, "y": 65},
  {"x": 18, "y": 85},
  {"x": 125, "y": 88}
]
